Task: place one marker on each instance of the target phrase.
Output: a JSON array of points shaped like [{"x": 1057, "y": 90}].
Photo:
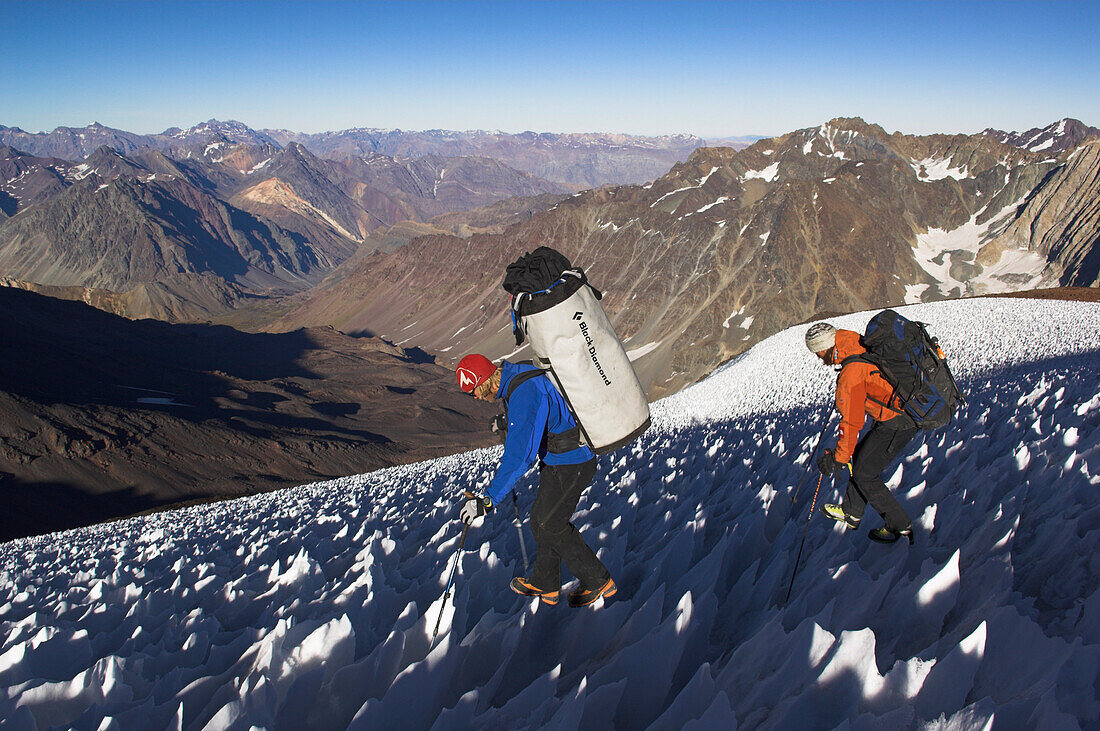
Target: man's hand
[
  {"x": 499, "y": 426},
  {"x": 475, "y": 506},
  {"x": 827, "y": 463}
]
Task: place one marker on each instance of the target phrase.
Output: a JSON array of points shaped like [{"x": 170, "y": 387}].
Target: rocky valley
[
  {"x": 209, "y": 228},
  {"x": 103, "y": 417}
]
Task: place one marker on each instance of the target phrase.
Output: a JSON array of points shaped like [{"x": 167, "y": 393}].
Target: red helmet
[{"x": 474, "y": 370}]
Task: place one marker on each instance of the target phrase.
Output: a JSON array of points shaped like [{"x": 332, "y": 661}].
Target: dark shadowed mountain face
[
  {"x": 733, "y": 246},
  {"x": 102, "y": 417}
]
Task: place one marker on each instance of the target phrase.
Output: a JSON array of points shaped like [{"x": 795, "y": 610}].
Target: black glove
[
  {"x": 499, "y": 425},
  {"x": 474, "y": 507},
  {"x": 827, "y": 463}
]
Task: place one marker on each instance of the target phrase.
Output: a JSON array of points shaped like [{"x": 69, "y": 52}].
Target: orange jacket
[{"x": 859, "y": 390}]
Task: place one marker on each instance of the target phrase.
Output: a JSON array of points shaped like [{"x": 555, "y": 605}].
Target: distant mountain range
[
  {"x": 199, "y": 229},
  {"x": 733, "y": 246},
  {"x": 572, "y": 160}
]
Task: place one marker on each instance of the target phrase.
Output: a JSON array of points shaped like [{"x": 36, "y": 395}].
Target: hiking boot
[
  {"x": 885, "y": 535},
  {"x": 583, "y": 597},
  {"x": 836, "y": 512},
  {"x": 523, "y": 587}
]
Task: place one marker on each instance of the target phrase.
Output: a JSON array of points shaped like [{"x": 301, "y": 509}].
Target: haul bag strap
[
  {"x": 560, "y": 443},
  {"x": 519, "y": 379},
  {"x": 860, "y": 358}
]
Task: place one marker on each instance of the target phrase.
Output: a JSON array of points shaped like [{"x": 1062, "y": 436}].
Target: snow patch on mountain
[
  {"x": 636, "y": 353},
  {"x": 768, "y": 174},
  {"x": 707, "y": 207},
  {"x": 933, "y": 168},
  {"x": 258, "y": 166},
  {"x": 950, "y": 259},
  {"x": 81, "y": 171}
]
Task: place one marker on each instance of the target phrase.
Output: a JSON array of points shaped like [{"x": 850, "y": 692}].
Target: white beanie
[{"x": 821, "y": 336}]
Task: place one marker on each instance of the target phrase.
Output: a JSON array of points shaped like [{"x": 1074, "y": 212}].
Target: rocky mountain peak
[
  {"x": 104, "y": 153},
  {"x": 858, "y": 124},
  {"x": 1060, "y": 136},
  {"x": 231, "y": 130}
]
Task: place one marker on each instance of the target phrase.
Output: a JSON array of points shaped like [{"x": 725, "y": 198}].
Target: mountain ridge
[
  {"x": 573, "y": 159},
  {"x": 731, "y": 246}
]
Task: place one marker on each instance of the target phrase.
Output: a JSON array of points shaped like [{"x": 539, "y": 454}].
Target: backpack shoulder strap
[
  {"x": 869, "y": 359},
  {"x": 518, "y": 380}
]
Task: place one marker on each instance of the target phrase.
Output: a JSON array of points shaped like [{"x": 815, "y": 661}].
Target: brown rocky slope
[
  {"x": 733, "y": 246},
  {"x": 102, "y": 417}
]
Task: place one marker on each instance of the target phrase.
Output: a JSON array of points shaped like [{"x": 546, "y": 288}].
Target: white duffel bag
[{"x": 571, "y": 337}]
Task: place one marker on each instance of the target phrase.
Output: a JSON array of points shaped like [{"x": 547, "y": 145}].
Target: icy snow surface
[{"x": 314, "y": 607}]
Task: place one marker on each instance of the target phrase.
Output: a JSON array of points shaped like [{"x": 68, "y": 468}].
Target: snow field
[{"x": 314, "y": 607}]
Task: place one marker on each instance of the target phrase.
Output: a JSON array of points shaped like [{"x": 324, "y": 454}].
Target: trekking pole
[
  {"x": 519, "y": 531},
  {"x": 805, "y": 530},
  {"x": 450, "y": 581},
  {"x": 828, "y": 414}
]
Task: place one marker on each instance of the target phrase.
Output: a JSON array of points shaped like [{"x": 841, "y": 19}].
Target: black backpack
[{"x": 912, "y": 362}]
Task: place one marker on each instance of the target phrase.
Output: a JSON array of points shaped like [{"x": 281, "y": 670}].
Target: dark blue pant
[
  {"x": 873, "y": 455},
  {"x": 560, "y": 488}
]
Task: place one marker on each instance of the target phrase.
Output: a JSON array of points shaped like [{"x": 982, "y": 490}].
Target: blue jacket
[{"x": 535, "y": 409}]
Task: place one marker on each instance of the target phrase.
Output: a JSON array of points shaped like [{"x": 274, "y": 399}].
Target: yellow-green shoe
[
  {"x": 885, "y": 535},
  {"x": 836, "y": 512}
]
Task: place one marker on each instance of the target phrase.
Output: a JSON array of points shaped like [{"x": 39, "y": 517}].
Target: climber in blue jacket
[{"x": 540, "y": 427}]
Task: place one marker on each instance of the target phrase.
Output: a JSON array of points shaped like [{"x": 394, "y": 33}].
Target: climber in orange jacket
[{"x": 861, "y": 391}]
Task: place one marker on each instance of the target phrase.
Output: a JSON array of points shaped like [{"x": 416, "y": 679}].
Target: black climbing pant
[
  {"x": 873, "y": 455},
  {"x": 560, "y": 488}
]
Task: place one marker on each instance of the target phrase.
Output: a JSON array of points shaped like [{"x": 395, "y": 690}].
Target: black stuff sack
[{"x": 913, "y": 363}]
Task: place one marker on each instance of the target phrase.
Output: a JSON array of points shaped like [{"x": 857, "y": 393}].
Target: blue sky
[{"x": 707, "y": 68}]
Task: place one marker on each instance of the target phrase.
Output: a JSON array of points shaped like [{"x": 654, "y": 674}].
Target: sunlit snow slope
[{"x": 314, "y": 607}]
